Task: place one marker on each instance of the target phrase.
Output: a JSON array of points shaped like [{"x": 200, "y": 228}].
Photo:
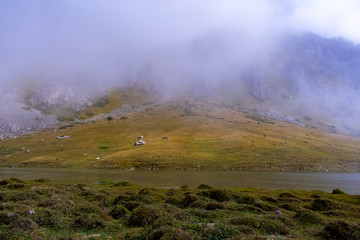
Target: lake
[{"x": 347, "y": 182}]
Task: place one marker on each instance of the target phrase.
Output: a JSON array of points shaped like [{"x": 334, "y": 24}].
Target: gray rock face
[
  {"x": 17, "y": 119},
  {"x": 279, "y": 117},
  {"x": 296, "y": 75},
  {"x": 48, "y": 96},
  {"x": 259, "y": 86},
  {"x": 59, "y": 94}
]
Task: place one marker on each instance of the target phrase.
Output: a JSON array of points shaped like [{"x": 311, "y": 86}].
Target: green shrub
[
  {"x": 286, "y": 195},
  {"x": 189, "y": 199},
  {"x": 15, "y": 179},
  {"x": 7, "y": 218},
  {"x": 89, "y": 222},
  {"x": 265, "y": 206},
  {"x": 337, "y": 191},
  {"x": 118, "y": 211},
  {"x": 307, "y": 217},
  {"x": 4, "y": 182},
  {"x": 204, "y": 186},
  {"x": 121, "y": 184},
  {"x": 273, "y": 227},
  {"x": 101, "y": 102},
  {"x": 214, "y": 231},
  {"x": 106, "y": 181},
  {"x": 245, "y": 199},
  {"x": 86, "y": 208},
  {"x": 202, "y": 213},
  {"x": 268, "y": 226},
  {"x": 340, "y": 230},
  {"x": 41, "y": 180},
  {"x": 220, "y": 195},
  {"x": 201, "y": 204},
  {"x": 170, "y": 233},
  {"x": 21, "y": 195},
  {"x": 147, "y": 191},
  {"x": 289, "y": 207},
  {"x": 173, "y": 201},
  {"x": 251, "y": 208},
  {"x": 334, "y": 213},
  {"x": 47, "y": 218},
  {"x": 145, "y": 216},
  {"x": 214, "y": 206},
  {"x": 174, "y": 212},
  {"x": 66, "y": 238},
  {"x": 321, "y": 205},
  {"x": 269, "y": 199},
  {"x": 131, "y": 205},
  {"x": 248, "y": 221},
  {"x": 21, "y": 223},
  {"x": 109, "y": 118},
  {"x": 16, "y": 185},
  {"x": 171, "y": 192},
  {"x": 67, "y": 126},
  {"x": 61, "y": 119}
]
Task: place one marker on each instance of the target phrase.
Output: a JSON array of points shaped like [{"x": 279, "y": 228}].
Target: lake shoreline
[{"x": 175, "y": 178}]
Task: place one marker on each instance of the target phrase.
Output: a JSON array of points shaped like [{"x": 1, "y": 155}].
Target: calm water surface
[{"x": 348, "y": 182}]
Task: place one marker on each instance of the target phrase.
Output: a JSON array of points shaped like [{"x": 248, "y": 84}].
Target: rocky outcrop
[
  {"x": 140, "y": 141},
  {"x": 17, "y": 119},
  {"x": 59, "y": 94}
]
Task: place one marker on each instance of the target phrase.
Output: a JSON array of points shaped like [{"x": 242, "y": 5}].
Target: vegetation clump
[
  {"x": 121, "y": 184},
  {"x": 101, "y": 102},
  {"x": 320, "y": 204},
  {"x": 286, "y": 195},
  {"x": 245, "y": 199},
  {"x": 341, "y": 230},
  {"x": 118, "y": 211},
  {"x": 128, "y": 211},
  {"x": 88, "y": 222},
  {"x": 144, "y": 216},
  {"x": 220, "y": 195},
  {"x": 307, "y": 217},
  {"x": 337, "y": 191},
  {"x": 204, "y": 186},
  {"x": 189, "y": 199}
]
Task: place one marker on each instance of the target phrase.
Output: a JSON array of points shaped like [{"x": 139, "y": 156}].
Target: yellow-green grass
[
  {"x": 201, "y": 136},
  {"x": 116, "y": 97}
]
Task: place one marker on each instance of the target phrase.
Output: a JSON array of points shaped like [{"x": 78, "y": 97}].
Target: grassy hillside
[
  {"x": 201, "y": 136},
  {"x": 39, "y": 209}
]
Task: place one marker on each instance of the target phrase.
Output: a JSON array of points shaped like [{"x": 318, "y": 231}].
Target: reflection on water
[{"x": 348, "y": 182}]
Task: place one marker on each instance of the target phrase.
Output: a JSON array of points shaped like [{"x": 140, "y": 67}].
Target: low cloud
[
  {"x": 112, "y": 41},
  {"x": 168, "y": 46}
]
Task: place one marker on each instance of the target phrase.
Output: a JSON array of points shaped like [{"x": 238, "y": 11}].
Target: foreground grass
[{"x": 40, "y": 209}]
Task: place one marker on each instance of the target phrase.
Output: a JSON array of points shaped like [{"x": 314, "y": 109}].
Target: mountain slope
[
  {"x": 303, "y": 79},
  {"x": 201, "y": 135}
]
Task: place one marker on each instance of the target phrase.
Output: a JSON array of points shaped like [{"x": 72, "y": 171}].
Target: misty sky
[{"x": 115, "y": 41}]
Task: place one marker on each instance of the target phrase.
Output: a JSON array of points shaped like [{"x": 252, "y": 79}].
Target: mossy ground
[{"x": 127, "y": 211}]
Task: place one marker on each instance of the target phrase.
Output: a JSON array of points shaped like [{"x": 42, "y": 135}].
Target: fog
[
  {"x": 111, "y": 42},
  {"x": 167, "y": 46}
]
